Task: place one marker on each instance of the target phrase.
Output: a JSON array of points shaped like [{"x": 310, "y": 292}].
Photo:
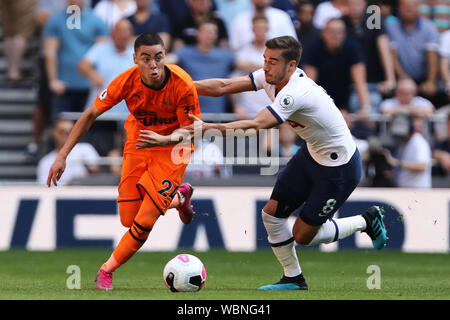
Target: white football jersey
[{"x": 312, "y": 114}]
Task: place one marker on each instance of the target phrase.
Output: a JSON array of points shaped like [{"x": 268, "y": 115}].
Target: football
[{"x": 184, "y": 273}]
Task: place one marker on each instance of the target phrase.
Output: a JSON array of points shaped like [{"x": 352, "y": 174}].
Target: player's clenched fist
[{"x": 56, "y": 171}]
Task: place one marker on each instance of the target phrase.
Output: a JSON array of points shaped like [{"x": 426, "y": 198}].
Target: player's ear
[
  {"x": 134, "y": 58},
  {"x": 292, "y": 64}
]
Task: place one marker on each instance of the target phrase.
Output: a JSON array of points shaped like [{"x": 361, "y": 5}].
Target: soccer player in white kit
[{"x": 319, "y": 177}]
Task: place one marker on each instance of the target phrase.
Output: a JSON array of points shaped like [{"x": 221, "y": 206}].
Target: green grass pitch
[{"x": 340, "y": 275}]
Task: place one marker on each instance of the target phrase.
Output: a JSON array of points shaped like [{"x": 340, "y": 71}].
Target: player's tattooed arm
[{"x": 149, "y": 139}]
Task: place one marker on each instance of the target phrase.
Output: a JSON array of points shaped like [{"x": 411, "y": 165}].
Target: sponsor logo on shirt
[{"x": 150, "y": 118}]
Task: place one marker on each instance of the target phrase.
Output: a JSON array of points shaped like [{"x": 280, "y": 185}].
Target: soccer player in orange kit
[{"x": 160, "y": 97}]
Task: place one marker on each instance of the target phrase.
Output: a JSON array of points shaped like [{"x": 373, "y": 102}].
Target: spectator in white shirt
[
  {"x": 406, "y": 101},
  {"x": 248, "y": 59},
  {"x": 328, "y": 10},
  {"x": 414, "y": 161},
  {"x": 77, "y": 166},
  {"x": 280, "y": 24},
  {"x": 111, "y": 11},
  {"x": 207, "y": 161}
]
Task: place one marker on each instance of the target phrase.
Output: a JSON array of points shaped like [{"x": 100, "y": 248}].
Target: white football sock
[
  {"x": 283, "y": 245},
  {"x": 335, "y": 229}
]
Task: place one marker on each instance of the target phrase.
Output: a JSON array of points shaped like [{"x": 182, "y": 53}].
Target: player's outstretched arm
[
  {"x": 149, "y": 139},
  {"x": 263, "y": 120},
  {"x": 78, "y": 131},
  {"x": 218, "y": 86}
]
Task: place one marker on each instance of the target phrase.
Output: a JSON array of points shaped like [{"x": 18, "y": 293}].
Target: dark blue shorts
[{"x": 321, "y": 190}]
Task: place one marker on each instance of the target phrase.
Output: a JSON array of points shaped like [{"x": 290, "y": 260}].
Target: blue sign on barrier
[
  {"x": 24, "y": 222},
  {"x": 67, "y": 210},
  {"x": 207, "y": 217},
  {"x": 392, "y": 220}
]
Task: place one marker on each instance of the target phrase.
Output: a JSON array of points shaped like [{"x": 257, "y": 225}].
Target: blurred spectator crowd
[{"x": 385, "y": 63}]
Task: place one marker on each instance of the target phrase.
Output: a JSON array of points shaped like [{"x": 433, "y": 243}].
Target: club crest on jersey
[
  {"x": 286, "y": 102},
  {"x": 103, "y": 95}
]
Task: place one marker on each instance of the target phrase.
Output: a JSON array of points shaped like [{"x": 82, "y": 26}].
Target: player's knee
[
  {"x": 126, "y": 221},
  {"x": 147, "y": 215},
  {"x": 127, "y": 212},
  {"x": 271, "y": 207},
  {"x": 279, "y": 208},
  {"x": 302, "y": 239}
]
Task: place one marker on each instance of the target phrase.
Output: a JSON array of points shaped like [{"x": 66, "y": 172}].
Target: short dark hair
[
  {"x": 148, "y": 39},
  {"x": 292, "y": 49}
]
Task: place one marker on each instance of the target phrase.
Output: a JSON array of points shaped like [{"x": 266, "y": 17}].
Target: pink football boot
[
  {"x": 103, "y": 280},
  {"x": 185, "y": 210}
]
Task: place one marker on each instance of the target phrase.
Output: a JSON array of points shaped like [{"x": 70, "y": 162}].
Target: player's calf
[
  {"x": 130, "y": 243},
  {"x": 303, "y": 232}
]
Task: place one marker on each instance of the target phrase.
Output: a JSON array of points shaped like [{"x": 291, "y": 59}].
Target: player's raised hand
[{"x": 56, "y": 171}]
